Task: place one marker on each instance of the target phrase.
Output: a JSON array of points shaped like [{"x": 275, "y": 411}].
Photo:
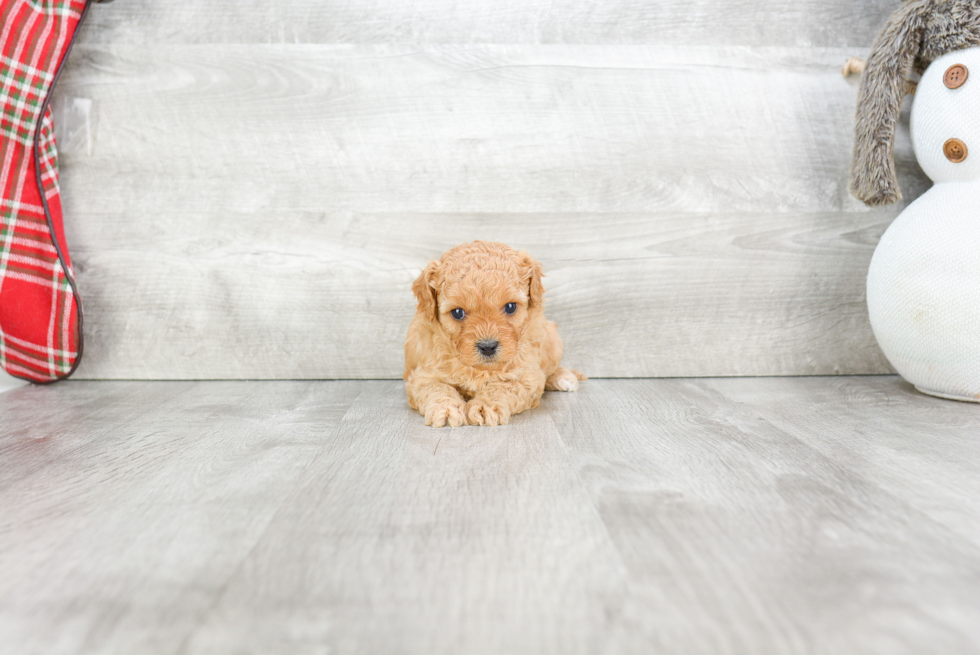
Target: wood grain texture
[
  {"x": 485, "y": 128},
  {"x": 408, "y": 539},
  {"x": 634, "y": 294},
  {"x": 793, "y": 516},
  {"x": 152, "y": 509},
  {"x": 693, "y": 22},
  {"x": 259, "y": 211},
  {"x": 68, "y": 421},
  {"x": 752, "y": 527},
  {"x": 914, "y": 452}
]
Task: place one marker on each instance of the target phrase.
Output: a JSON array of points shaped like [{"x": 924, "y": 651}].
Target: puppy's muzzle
[{"x": 487, "y": 347}]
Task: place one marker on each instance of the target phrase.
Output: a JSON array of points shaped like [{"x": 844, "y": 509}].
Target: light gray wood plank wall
[
  {"x": 818, "y": 23},
  {"x": 8, "y": 382},
  {"x": 246, "y": 203}
]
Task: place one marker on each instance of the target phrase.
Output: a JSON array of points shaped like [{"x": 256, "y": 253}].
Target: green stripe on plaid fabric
[
  {"x": 32, "y": 238},
  {"x": 53, "y": 7},
  {"x": 34, "y": 251},
  {"x": 35, "y": 37},
  {"x": 11, "y": 357},
  {"x": 62, "y": 360},
  {"x": 13, "y": 341},
  {"x": 22, "y": 210},
  {"x": 16, "y": 123},
  {"x": 23, "y": 85},
  {"x": 24, "y": 68},
  {"x": 6, "y": 14},
  {"x": 38, "y": 367},
  {"x": 56, "y": 323},
  {"x": 25, "y": 229},
  {"x": 14, "y": 266},
  {"x": 49, "y": 154},
  {"x": 21, "y": 99}
]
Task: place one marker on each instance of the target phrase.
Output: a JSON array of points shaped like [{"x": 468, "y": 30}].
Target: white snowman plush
[{"x": 924, "y": 280}]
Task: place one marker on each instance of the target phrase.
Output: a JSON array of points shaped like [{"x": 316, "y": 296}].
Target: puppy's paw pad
[
  {"x": 480, "y": 413},
  {"x": 448, "y": 412},
  {"x": 562, "y": 380}
]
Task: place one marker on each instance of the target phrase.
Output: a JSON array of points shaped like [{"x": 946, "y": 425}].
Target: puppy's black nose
[{"x": 487, "y": 347}]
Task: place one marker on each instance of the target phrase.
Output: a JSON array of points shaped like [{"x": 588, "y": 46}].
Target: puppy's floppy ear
[
  {"x": 531, "y": 274},
  {"x": 425, "y": 291}
]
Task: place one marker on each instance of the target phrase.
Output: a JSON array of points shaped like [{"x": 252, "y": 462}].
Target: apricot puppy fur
[{"x": 479, "y": 349}]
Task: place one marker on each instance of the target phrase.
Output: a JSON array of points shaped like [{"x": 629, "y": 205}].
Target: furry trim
[{"x": 915, "y": 35}]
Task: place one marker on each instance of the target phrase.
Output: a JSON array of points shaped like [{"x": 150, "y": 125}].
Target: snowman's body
[{"x": 924, "y": 280}]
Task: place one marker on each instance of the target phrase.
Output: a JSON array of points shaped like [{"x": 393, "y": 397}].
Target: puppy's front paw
[
  {"x": 564, "y": 379},
  {"x": 450, "y": 411},
  {"x": 480, "y": 412}
]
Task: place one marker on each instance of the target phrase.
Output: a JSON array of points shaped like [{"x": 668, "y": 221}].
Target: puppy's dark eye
[
  {"x": 458, "y": 314},
  {"x": 510, "y": 308}
]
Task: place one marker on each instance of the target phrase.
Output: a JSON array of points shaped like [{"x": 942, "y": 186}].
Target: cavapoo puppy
[{"x": 479, "y": 349}]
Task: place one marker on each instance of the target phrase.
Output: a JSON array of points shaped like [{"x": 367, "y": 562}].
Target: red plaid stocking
[{"x": 40, "y": 315}]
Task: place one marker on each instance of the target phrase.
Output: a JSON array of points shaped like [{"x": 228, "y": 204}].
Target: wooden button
[
  {"x": 955, "y": 76},
  {"x": 955, "y": 151}
]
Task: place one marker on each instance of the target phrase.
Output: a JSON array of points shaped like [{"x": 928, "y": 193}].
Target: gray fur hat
[{"x": 919, "y": 32}]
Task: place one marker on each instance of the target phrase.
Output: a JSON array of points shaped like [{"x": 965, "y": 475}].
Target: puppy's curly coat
[{"x": 479, "y": 349}]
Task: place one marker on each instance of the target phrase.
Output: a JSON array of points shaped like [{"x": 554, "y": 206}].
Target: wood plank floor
[
  {"x": 7, "y": 382},
  {"x": 765, "y": 515}
]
